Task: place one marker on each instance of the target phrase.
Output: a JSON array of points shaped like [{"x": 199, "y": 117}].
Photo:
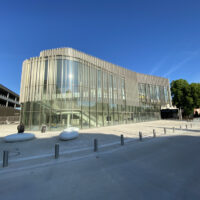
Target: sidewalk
[{"x": 108, "y": 137}]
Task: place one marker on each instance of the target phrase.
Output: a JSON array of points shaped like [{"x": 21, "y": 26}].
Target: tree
[
  {"x": 195, "y": 93},
  {"x": 181, "y": 96}
]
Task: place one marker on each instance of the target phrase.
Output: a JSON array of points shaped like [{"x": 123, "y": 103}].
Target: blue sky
[{"x": 158, "y": 37}]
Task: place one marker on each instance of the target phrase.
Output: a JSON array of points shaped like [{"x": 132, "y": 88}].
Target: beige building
[{"x": 64, "y": 87}]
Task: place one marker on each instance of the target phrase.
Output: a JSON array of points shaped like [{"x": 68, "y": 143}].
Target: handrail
[{"x": 8, "y": 99}]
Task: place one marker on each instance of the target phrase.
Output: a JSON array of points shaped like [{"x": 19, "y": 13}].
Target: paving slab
[
  {"x": 44, "y": 142},
  {"x": 162, "y": 168}
]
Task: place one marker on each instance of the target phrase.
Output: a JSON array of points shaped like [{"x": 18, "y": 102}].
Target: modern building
[
  {"x": 64, "y": 87},
  {"x": 9, "y": 105}
]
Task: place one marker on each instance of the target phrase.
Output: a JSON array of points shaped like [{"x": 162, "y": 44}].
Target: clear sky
[{"x": 158, "y": 37}]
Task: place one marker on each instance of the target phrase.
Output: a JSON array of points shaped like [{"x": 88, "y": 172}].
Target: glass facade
[
  {"x": 153, "y": 94},
  {"x": 61, "y": 92}
]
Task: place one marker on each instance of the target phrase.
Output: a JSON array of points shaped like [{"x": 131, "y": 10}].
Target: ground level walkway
[
  {"x": 43, "y": 145},
  {"x": 165, "y": 167}
]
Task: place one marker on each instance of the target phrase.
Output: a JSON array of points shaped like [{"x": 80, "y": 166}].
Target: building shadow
[{"x": 46, "y": 145}]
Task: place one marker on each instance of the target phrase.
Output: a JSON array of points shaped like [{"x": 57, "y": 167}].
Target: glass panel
[
  {"x": 99, "y": 119},
  {"x": 116, "y": 118},
  {"x": 106, "y": 119},
  {"x": 75, "y": 121},
  {"x": 166, "y": 94},
  {"x": 59, "y": 76},
  {"x": 70, "y": 76},
  {"x": 35, "y": 118},
  {"x": 85, "y": 119},
  {"x": 45, "y": 75},
  {"x": 157, "y": 93},
  {"x": 92, "y": 119},
  {"x": 99, "y": 86},
  {"x": 26, "y": 119},
  {"x": 105, "y": 86},
  {"x": 123, "y": 89}
]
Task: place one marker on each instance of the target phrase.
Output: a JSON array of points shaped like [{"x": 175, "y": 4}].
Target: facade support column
[
  {"x": 7, "y": 100},
  {"x": 15, "y": 101}
]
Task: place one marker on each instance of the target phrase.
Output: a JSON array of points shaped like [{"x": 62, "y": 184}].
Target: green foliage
[
  {"x": 195, "y": 93},
  {"x": 185, "y": 96}
]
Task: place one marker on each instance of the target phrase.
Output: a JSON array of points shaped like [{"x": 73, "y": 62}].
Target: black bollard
[
  {"x": 56, "y": 151},
  {"x": 165, "y": 131},
  {"x": 154, "y": 133},
  {"x": 95, "y": 145},
  {"x": 140, "y": 136},
  {"x": 122, "y": 139},
  {"x": 43, "y": 129},
  {"x": 186, "y": 126},
  {"x": 5, "y": 158},
  {"x": 20, "y": 128}
]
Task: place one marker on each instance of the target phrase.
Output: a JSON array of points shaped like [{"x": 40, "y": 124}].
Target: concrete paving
[
  {"x": 44, "y": 142},
  {"x": 160, "y": 168}
]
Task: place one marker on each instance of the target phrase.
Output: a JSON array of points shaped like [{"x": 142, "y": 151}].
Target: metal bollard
[
  {"x": 5, "y": 158},
  {"x": 20, "y": 128},
  {"x": 186, "y": 126},
  {"x": 140, "y": 136},
  {"x": 173, "y": 129},
  {"x": 180, "y": 127},
  {"x": 95, "y": 145},
  {"x": 165, "y": 131},
  {"x": 122, "y": 139},
  {"x": 56, "y": 151},
  {"x": 154, "y": 133},
  {"x": 191, "y": 125},
  {"x": 43, "y": 129}
]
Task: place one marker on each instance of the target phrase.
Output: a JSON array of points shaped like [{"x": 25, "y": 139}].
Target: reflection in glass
[{"x": 80, "y": 94}]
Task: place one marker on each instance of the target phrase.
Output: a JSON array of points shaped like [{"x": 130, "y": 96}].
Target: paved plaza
[
  {"x": 43, "y": 145},
  {"x": 165, "y": 167}
]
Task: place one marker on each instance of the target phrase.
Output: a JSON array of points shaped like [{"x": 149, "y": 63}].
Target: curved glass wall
[
  {"x": 64, "y": 92},
  {"x": 153, "y": 94}
]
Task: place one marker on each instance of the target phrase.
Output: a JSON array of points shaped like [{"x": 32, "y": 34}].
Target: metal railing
[{"x": 8, "y": 99}]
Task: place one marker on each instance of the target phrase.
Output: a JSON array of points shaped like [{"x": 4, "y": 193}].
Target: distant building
[
  {"x": 9, "y": 105},
  {"x": 196, "y": 112},
  {"x": 64, "y": 87},
  {"x": 170, "y": 113}
]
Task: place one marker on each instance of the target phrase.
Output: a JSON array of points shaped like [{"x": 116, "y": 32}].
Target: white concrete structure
[
  {"x": 19, "y": 137},
  {"x": 69, "y": 133}
]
